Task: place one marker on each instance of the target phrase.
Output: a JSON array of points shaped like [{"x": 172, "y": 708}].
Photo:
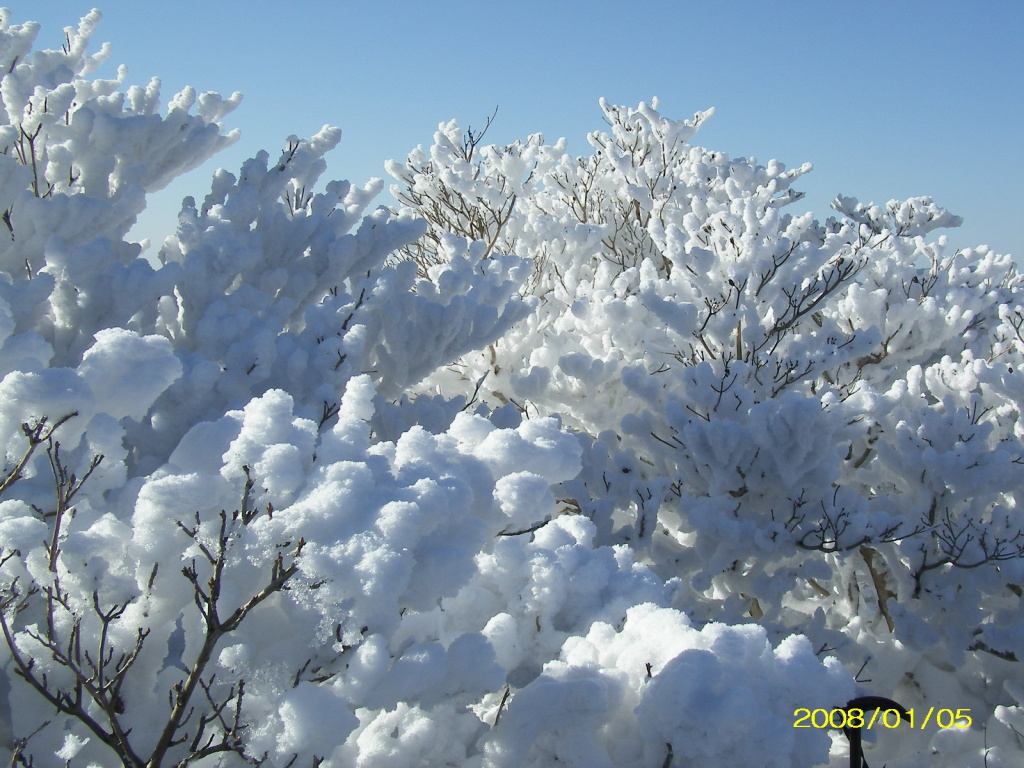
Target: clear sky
[{"x": 887, "y": 98}]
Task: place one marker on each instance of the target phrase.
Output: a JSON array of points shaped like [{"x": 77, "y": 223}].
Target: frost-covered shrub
[
  {"x": 812, "y": 426},
  {"x": 597, "y": 461}
]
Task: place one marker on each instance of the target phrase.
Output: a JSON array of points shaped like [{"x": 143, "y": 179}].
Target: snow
[
  {"x": 613, "y": 463},
  {"x": 72, "y": 746},
  {"x": 127, "y": 372},
  {"x": 313, "y": 717},
  {"x": 525, "y": 497}
]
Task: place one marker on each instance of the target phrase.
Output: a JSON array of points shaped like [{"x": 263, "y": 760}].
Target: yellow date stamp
[{"x": 853, "y": 717}]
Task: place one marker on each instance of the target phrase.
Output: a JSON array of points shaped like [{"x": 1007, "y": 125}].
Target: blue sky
[{"x": 888, "y": 99}]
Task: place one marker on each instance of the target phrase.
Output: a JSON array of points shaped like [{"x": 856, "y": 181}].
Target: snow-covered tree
[
  {"x": 813, "y": 426},
  {"x": 598, "y": 461}
]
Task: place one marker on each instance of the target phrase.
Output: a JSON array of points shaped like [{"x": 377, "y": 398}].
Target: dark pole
[{"x": 867, "y": 704}]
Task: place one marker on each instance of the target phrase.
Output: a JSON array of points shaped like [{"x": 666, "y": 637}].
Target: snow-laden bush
[
  {"x": 600, "y": 461},
  {"x": 813, "y": 426}
]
